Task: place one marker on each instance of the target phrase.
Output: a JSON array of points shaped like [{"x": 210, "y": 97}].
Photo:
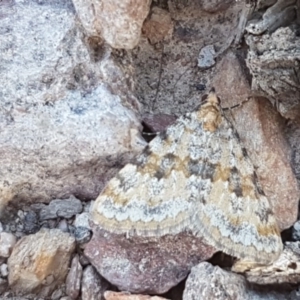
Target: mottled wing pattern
[
  {"x": 234, "y": 214},
  {"x": 151, "y": 196},
  {"x": 194, "y": 176}
]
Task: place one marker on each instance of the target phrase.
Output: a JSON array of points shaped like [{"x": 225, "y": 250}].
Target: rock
[
  {"x": 159, "y": 26},
  {"x": 109, "y": 295},
  {"x": 265, "y": 142},
  {"x": 212, "y": 283},
  {"x": 73, "y": 143},
  {"x": 73, "y": 280},
  {"x": 93, "y": 285},
  {"x": 57, "y": 294},
  {"x": 31, "y": 223},
  {"x": 145, "y": 265},
  {"x": 63, "y": 225},
  {"x": 159, "y": 122},
  {"x": 296, "y": 231},
  {"x": 286, "y": 269},
  {"x": 66, "y": 208},
  {"x": 3, "y": 285},
  {"x": 215, "y": 5},
  {"x": 119, "y": 25},
  {"x": 83, "y": 260},
  {"x": 273, "y": 61},
  {"x": 82, "y": 220},
  {"x": 7, "y": 242},
  {"x": 206, "y": 57},
  {"x": 4, "y": 270},
  {"x": 39, "y": 262},
  {"x": 82, "y": 235}
]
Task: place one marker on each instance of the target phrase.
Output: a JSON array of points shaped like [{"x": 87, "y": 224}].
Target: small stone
[
  {"x": 44, "y": 258},
  {"x": 74, "y": 278},
  {"x": 31, "y": 222},
  {"x": 7, "y": 242},
  {"x": 82, "y": 220},
  {"x": 84, "y": 260},
  {"x": 93, "y": 285},
  {"x": 296, "y": 231},
  {"x": 1, "y": 227},
  {"x": 4, "y": 270},
  {"x": 82, "y": 235},
  {"x": 20, "y": 214},
  {"x": 206, "y": 57},
  {"x": 109, "y": 295},
  {"x": 63, "y": 225},
  {"x": 57, "y": 294},
  {"x": 66, "y": 208}
]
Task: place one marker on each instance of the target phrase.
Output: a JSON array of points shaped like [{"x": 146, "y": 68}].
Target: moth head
[
  {"x": 211, "y": 98},
  {"x": 209, "y": 111}
]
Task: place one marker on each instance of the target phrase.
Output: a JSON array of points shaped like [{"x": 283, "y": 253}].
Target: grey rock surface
[
  {"x": 273, "y": 60},
  {"x": 65, "y": 208},
  {"x": 213, "y": 283},
  {"x": 55, "y": 91},
  {"x": 93, "y": 285},
  {"x": 73, "y": 281}
]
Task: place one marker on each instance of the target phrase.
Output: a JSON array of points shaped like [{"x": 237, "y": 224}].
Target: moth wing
[
  {"x": 234, "y": 215},
  {"x": 151, "y": 197}
]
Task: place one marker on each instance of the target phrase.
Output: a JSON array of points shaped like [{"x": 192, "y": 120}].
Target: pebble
[
  {"x": 82, "y": 235},
  {"x": 296, "y": 231},
  {"x": 206, "y": 58},
  {"x": 7, "y": 242},
  {"x": 66, "y": 208},
  {"x": 82, "y": 220},
  {"x": 4, "y": 270},
  {"x": 31, "y": 222}
]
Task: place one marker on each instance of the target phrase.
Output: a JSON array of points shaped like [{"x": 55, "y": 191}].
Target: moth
[{"x": 194, "y": 176}]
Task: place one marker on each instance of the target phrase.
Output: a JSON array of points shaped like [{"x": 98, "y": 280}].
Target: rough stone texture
[
  {"x": 158, "y": 123},
  {"x": 145, "y": 265},
  {"x": 55, "y": 89},
  {"x": 109, "y": 295},
  {"x": 159, "y": 26},
  {"x": 286, "y": 269},
  {"x": 261, "y": 130},
  {"x": 65, "y": 208},
  {"x": 93, "y": 285},
  {"x": 215, "y": 5},
  {"x": 212, "y": 283},
  {"x": 296, "y": 231},
  {"x": 206, "y": 57},
  {"x": 273, "y": 61},
  {"x": 7, "y": 242},
  {"x": 118, "y": 22},
  {"x": 82, "y": 220},
  {"x": 167, "y": 75},
  {"x": 73, "y": 280},
  {"x": 39, "y": 262}
]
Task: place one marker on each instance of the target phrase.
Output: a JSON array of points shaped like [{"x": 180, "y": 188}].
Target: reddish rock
[
  {"x": 74, "y": 278},
  {"x": 145, "y": 265},
  {"x": 159, "y": 122},
  {"x": 119, "y": 24},
  {"x": 159, "y": 26},
  {"x": 93, "y": 285},
  {"x": 109, "y": 295},
  {"x": 261, "y": 131}
]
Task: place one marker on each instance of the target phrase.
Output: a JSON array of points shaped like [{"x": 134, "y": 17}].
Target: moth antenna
[{"x": 237, "y": 105}]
